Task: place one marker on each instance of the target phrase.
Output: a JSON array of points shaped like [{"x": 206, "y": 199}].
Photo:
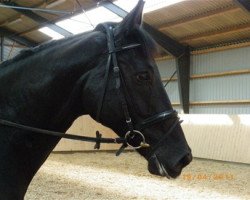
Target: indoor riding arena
[{"x": 203, "y": 56}]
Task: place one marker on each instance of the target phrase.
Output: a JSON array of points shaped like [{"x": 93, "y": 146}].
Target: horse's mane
[{"x": 25, "y": 53}]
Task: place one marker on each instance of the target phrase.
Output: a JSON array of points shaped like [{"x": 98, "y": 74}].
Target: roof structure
[
  {"x": 181, "y": 27},
  {"x": 199, "y": 24}
]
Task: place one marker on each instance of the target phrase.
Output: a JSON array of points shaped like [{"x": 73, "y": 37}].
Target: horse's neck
[
  {"x": 51, "y": 84},
  {"x": 45, "y": 92}
]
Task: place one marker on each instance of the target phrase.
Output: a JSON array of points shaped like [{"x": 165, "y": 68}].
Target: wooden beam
[
  {"x": 226, "y": 30},
  {"x": 224, "y": 102},
  {"x": 17, "y": 16},
  {"x": 39, "y": 19},
  {"x": 175, "y": 104},
  {"x": 9, "y": 20},
  {"x": 222, "y": 46},
  {"x": 214, "y": 75},
  {"x": 202, "y": 16},
  {"x": 219, "y": 102},
  {"x": 33, "y": 9},
  {"x": 232, "y": 44},
  {"x": 16, "y": 45},
  {"x": 19, "y": 39},
  {"x": 78, "y": 11},
  {"x": 168, "y": 79},
  {"x": 168, "y": 57},
  {"x": 221, "y": 74}
]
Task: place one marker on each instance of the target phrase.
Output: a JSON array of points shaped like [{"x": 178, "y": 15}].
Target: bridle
[
  {"x": 132, "y": 132},
  {"x": 122, "y": 91}
]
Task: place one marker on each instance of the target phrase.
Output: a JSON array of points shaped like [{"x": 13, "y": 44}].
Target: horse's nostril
[{"x": 186, "y": 159}]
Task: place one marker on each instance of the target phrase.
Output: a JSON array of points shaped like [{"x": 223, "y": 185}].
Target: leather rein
[{"x": 131, "y": 133}]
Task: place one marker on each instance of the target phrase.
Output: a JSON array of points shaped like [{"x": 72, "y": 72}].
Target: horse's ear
[{"x": 132, "y": 20}]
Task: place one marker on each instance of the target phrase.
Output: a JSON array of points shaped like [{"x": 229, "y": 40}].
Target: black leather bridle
[
  {"x": 132, "y": 132},
  {"x": 122, "y": 91}
]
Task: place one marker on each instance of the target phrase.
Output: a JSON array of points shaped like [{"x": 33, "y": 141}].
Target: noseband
[{"x": 121, "y": 91}]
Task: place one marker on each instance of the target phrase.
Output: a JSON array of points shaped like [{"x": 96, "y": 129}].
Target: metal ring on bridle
[{"x": 138, "y": 133}]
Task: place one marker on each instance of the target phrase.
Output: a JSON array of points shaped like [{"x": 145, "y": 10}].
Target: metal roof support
[
  {"x": 245, "y": 4},
  {"x": 39, "y": 19},
  {"x": 176, "y": 49},
  {"x": 19, "y": 39},
  {"x": 171, "y": 46},
  {"x": 2, "y": 49},
  {"x": 183, "y": 72},
  {"x": 113, "y": 8}
]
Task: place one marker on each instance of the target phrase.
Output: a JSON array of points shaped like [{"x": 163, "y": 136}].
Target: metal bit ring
[{"x": 142, "y": 143}]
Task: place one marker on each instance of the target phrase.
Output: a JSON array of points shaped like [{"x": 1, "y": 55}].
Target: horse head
[{"x": 129, "y": 93}]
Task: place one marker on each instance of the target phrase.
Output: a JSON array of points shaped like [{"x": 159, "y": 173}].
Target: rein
[
  {"x": 121, "y": 91},
  {"x": 98, "y": 139}
]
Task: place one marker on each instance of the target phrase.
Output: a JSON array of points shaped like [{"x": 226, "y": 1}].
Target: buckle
[
  {"x": 130, "y": 135},
  {"x": 116, "y": 69},
  {"x": 98, "y": 140},
  {"x": 128, "y": 120}
]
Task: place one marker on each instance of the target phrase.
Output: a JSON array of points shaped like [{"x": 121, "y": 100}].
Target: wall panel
[
  {"x": 223, "y": 88},
  {"x": 10, "y": 52},
  {"x": 233, "y": 59},
  {"x": 86, "y": 126},
  {"x": 217, "y": 109},
  {"x": 166, "y": 67},
  {"x": 219, "y": 137},
  {"x": 173, "y": 92}
]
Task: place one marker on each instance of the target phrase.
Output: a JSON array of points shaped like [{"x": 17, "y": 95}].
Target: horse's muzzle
[{"x": 156, "y": 167}]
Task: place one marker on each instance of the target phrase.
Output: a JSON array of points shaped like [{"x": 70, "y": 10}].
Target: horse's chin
[{"x": 155, "y": 167}]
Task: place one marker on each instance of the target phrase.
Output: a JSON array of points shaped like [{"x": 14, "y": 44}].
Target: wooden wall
[
  {"x": 219, "y": 136},
  {"x": 212, "y": 136},
  {"x": 86, "y": 126}
]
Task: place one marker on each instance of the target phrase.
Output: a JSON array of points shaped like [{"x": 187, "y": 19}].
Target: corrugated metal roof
[
  {"x": 184, "y": 10},
  {"x": 197, "y": 23}
]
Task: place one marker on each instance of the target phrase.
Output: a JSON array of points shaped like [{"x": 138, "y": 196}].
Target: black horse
[{"x": 108, "y": 73}]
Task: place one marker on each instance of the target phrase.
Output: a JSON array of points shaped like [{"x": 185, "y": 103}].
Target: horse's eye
[{"x": 144, "y": 76}]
